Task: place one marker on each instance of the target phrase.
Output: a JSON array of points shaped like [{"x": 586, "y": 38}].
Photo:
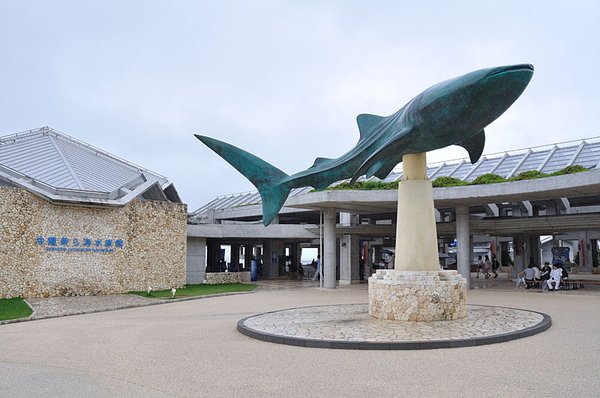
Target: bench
[{"x": 579, "y": 283}]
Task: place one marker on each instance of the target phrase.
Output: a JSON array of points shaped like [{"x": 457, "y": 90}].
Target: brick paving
[{"x": 352, "y": 323}]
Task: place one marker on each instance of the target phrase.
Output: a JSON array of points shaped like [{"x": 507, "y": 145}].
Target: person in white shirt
[{"x": 555, "y": 276}]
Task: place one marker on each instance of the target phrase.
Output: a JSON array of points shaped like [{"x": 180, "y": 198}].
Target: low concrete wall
[
  {"x": 195, "y": 262},
  {"x": 219, "y": 278}
]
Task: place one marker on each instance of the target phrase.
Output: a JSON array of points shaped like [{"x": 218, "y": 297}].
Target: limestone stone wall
[
  {"x": 417, "y": 295},
  {"x": 218, "y": 278},
  {"x": 56, "y": 250}
]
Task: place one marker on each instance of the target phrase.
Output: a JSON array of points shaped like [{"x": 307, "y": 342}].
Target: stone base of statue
[
  {"x": 417, "y": 295},
  {"x": 416, "y": 289}
]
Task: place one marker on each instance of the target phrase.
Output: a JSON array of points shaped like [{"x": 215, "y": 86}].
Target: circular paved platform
[{"x": 349, "y": 326}]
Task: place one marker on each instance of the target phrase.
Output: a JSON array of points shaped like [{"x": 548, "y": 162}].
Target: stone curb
[{"x": 542, "y": 326}]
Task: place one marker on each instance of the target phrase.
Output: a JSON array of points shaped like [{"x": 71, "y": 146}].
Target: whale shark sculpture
[{"x": 453, "y": 112}]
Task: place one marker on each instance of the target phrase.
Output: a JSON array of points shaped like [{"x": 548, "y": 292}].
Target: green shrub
[
  {"x": 448, "y": 182},
  {"x": 365, "y": 186},
  {"x": 488, "y": 178},
  {"x": 569, "y": 170},
  {"x": 528, "y": 175}
]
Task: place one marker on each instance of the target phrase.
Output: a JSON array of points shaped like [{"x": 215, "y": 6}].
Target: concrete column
[
  {"x": 270, "y": 259},
  {"x": 349, "y": 257},
  {"x": 585, "y": 256},
  {"x": 463, "y": 254},
  {"x": 534, "y": 247},
  {"x": 354, "y": 259},
  {"x": 520, "y": 253},
  {"x": 296, "y": 256},
  {"x": 235, "y": 258},
  {"x": 195, "y": 261},
  {"x": 248, "y": 249},
  {"x": 328, "y": 259}
]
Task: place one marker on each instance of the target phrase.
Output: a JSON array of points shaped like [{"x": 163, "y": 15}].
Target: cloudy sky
[{"x": 281, "y": 79}]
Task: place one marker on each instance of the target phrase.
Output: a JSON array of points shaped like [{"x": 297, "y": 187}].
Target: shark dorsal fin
[
  {"x": 320, "y": 161},
  {"x": 474, "y": 145},
  {"x": 367, "y": 124}
]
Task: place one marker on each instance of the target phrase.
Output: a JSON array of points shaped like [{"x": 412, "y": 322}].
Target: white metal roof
[
  {"x": 546, "y": 158},
  {"x": 59, "y": 167}
]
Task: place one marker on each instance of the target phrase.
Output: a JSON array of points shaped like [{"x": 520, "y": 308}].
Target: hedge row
[{"x": 439, "y": 182}]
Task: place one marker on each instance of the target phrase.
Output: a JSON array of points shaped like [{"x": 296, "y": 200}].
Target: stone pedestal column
[
  {"x": 416, "y": 238},
  {"x": 416, "y": 290}
]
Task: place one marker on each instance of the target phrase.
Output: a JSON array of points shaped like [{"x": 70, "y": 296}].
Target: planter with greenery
[
  {"x": 441, "y": 182},
  {"x": 197, "y": 290}
]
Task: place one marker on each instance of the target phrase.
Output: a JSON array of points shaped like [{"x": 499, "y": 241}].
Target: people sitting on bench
[
  {"x": 537, "y": 276},
  {"x": 528, "y": 274},
  {"x": 555, "y": 276},
  {"x": 545, "y": 273},
  {"x": 564, "y": 274}
]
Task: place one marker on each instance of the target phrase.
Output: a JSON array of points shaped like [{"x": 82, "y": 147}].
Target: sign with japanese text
[{"x": 78, "y": 244}]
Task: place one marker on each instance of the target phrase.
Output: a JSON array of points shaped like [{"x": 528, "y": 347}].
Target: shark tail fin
[{"x": 268, "y": 179}]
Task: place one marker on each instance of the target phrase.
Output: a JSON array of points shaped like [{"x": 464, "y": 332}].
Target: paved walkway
[
  {"x": 192, "y": 348},
  {"x": 63, "y": 306}
]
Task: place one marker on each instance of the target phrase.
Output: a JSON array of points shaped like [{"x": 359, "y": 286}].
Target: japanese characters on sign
[{"x": 86, "y": 244}]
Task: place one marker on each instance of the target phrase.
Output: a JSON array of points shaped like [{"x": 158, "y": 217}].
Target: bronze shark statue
[{"x": 453, "y": 112}]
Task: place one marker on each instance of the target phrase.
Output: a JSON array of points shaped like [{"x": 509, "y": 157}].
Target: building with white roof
[{"x": 77, "y": 220}]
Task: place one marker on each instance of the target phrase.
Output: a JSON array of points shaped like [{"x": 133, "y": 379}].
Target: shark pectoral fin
[
  {"x": 474, "y": 145},
  {"x": 381, "y": 169},
  {"x": 367, "y": 123},
  {"x": 374, "y": 169},
  {"x": 385, "y": 169},
  {"x": 319, "y": 162}
]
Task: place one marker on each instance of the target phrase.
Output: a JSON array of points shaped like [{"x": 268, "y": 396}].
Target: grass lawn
[
  {"x": 199, "y": 290},
  {"x": 14, "y": 308}
]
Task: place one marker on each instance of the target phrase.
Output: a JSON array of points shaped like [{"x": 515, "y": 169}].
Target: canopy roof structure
[
  {"x": 60, "y": 168},
  {"x": 547, "y": 159}
]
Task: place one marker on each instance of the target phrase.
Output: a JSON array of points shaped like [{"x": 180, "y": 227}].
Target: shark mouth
[{"x": 512, "y": 68}]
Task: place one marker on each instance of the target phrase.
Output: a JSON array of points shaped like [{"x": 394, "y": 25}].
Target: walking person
[
  {"x": 361, "y": 268},
  {"x": 487, "y": 267},
  {"x": 317, "y": 272},
  {"x": 495, "y": 265},
  {"x": 479, "y": 266}
]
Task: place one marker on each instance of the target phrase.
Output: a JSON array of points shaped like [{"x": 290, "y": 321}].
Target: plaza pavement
[{"x": 192, "y": 349}]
